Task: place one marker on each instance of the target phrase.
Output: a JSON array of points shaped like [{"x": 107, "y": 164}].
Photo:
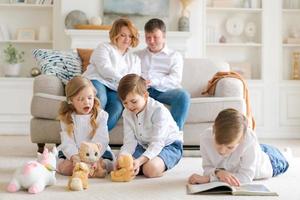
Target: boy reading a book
[{"x": 231, "y": 153}]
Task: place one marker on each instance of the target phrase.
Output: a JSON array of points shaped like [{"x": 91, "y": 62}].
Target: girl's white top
[{"x": 82, "y": 128}]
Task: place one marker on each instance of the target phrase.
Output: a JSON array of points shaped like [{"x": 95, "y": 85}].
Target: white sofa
[{"x": 49, "y": 91}]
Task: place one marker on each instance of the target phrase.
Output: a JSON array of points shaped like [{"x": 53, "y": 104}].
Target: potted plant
[{"x": 13, "y": 59}]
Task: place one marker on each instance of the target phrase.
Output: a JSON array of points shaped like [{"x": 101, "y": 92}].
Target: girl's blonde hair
[
  {"x": 115, "y": 31},
  {"x": 73, "y": 87},
  {"x": 228, "y": 126},
  {"x": 131, "y": 83}
]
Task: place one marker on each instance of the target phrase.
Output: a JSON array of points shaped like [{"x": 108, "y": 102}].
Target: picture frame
[{"x": 27, "y": 34}]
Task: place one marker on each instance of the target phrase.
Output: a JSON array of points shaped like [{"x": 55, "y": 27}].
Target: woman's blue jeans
[
  {"x": 177, "y": 99},
  {"x": 110, "y": 102}
]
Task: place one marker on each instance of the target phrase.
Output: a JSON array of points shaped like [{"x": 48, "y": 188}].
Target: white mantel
[{"x": 91, "y": 38}]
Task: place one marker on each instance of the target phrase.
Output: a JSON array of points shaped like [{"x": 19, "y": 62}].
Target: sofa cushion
[
  {"x": 85, "y": 55},
  {"x": 197, "y": 73},
  {"x": 206, "y": 109},
  {"x": 62, "y": 64}
]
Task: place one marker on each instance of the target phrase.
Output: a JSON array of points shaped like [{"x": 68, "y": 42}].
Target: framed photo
[{"x": 26, "y": 34}]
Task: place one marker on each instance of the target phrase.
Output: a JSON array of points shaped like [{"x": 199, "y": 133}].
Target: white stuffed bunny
[{"x": 35, "y": 175}]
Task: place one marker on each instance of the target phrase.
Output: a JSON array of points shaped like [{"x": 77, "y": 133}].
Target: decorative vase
[
  {"x": 12, "y": 70},
  {"x": 184, "y": 24}
]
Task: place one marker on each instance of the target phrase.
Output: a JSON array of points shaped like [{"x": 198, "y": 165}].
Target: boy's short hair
[
  {"x": 153, "y": 24},
  {"x": 228, "y": 125},
  {"x": 131, "y": 83}
]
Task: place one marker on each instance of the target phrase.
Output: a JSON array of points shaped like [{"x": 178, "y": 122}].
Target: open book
[{"x": 224, "y": 188}]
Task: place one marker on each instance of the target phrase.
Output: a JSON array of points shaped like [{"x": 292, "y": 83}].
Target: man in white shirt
[{"x": 162, "y": 68}]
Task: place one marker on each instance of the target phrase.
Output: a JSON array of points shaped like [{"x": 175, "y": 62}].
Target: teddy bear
[
  {"x": 89, "y": 153},
  {"x": 125, "y": 172},
  {"x": 79, "y": 179},
  {"x": 35, "y": 175}
]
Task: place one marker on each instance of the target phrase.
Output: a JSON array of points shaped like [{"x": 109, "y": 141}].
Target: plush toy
[
  {"x": 79, "y": 180},
  {"x": 89, "y": 153},
  {"x": 35, "y": 175},
  {"x": 125, "y": 172}
]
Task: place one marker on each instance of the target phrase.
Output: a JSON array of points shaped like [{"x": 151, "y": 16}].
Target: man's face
[{"x": 155, "y": 40}]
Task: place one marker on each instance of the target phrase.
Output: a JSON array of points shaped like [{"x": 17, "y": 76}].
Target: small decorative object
[
  {"x": 250, "y": 30},
  {"x": 44, "y": 33},
  {"x": 125, "y": 172},
  {"x": 234, "y": 26},
  {"x": 184, "y": 21},
  {"x": 13, "y": 59},
  {"x": 35, "y": 72},
  {"x": 95, "y": 21},
  {"x": 35, "y": 175},
  {"x": 79, "y": 179},
  {"x": 296, "y": 65},
  {"x": 75, "y": 17},
  {"x": 26, "y": 34},
  {"x": 222, "y": 39}
]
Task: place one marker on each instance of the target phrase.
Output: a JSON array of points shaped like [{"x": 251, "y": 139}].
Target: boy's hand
[
  {"x": 227, "y": 177},
  {"x": 136, "y": 166},
  {"x": 198, "y": 179}
]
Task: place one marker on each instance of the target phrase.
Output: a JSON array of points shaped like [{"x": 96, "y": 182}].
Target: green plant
[{"x": 12, "y": 55}]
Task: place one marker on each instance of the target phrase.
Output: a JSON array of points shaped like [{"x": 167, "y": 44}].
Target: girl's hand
[
  {"x": 75, "y": 159},
  {"x": 227, "y": 177},
  {"x": 198, "y": 179}
]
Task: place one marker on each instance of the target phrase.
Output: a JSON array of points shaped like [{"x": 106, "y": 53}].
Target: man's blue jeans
[
  {"x": 110, "y": 102},
  {"x": 178, "y": 99}
]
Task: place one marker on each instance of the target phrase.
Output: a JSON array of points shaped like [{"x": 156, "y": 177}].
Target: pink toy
[{"x": 35, "y": 175}]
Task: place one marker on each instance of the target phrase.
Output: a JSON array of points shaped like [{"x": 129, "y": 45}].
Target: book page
[
  {"x": 212, "y": 187},
  {"x": 253, "y": 189}
]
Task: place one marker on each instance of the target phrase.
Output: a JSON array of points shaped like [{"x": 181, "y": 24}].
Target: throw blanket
[{"x": 211, "y": 87}]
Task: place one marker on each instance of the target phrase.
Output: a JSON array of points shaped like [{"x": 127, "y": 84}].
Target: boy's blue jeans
[
  {"x": 278, "y": 161},
  {"x": 110, "y": 102},
  {"x": 178, "y": 99}
]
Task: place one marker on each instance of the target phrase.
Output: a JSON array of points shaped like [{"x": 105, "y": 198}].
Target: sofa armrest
[
  {"x": 48, "y": 84},
  {"x": 229, "y": 87}
]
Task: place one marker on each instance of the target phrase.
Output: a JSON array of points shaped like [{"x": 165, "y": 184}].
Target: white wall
[{"x": 94, "y": 8}]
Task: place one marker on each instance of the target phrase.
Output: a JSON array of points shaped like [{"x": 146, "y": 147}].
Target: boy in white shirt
[
  {"x": 231, "y": 153},
  {"x": 151, "y": 135}
]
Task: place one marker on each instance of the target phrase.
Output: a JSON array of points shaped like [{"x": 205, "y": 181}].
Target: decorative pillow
[
  {"x": 85, "y": 55},
  {"x": 64, "y": 65}
]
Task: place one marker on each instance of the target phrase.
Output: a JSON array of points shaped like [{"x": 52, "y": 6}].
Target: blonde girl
[{"x": 81, "y": 119}]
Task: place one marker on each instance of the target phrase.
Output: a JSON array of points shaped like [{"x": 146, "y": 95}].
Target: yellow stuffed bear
[
  {"x": 79, "y": 179},
  {"x": 125, "y": 172}
]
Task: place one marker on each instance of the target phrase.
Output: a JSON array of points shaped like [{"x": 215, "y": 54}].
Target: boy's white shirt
[
  {"x": 163, "y": 69},
  {"x": 82, "y": 128},
  {"x": 153, "y": 128},
  {"x": 247, "y": 162},
  {"x": 108, "y": 65}
]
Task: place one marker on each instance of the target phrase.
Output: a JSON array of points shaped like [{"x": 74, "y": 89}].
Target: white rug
[{"x": 170, "y": 186}]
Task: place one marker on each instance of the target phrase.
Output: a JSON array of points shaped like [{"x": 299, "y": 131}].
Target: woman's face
[{"x": 124, "y": 39}]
